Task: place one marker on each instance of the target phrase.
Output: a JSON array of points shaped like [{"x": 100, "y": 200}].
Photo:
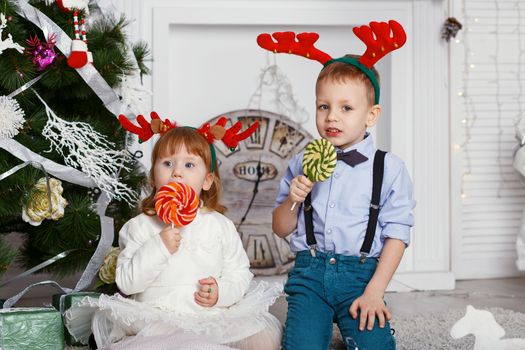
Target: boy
[{"x": 342, "y": 276}]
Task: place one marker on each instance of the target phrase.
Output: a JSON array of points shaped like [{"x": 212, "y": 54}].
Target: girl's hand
[
  {"x": 171, "y": 238},
  {"x": 371, "y": 305},
  {"x": 299, "y": 188},
  {"x": 208, "y": 292}
]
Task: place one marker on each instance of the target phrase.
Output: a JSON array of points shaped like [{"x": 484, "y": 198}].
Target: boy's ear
[
  {"x": 373, "y": 115},
  {"x": 208, "y": 181}
]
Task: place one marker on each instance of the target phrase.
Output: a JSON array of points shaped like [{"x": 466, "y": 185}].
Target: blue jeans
[{"x": 320, "y": 291}]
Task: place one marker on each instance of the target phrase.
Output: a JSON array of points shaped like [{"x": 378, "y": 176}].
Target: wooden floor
[{"x": 507, "y": 293}]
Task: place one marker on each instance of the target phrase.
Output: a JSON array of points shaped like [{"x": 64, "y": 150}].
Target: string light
[
  {"x": 470, "y": 110},
  {"x": 497, "y": 82}
]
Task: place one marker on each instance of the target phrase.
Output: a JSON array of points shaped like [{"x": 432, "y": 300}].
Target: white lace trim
[{"x": 224, "y": 325}]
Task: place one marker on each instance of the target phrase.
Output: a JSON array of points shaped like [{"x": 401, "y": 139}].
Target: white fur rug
[{"x": 432, "y": 331}]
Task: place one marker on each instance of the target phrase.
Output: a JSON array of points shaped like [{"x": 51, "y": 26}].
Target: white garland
[
  {"x": 11, "y": 117},
  {"x": 7, "y": 43},
  {"x": 83, "y": 147},
  {"x": 275, "y": 80}
]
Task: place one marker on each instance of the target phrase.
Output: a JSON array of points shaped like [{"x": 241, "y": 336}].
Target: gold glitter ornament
[
  {"x": 38, "y": 208},
  {"x": 108, "y": 269}
]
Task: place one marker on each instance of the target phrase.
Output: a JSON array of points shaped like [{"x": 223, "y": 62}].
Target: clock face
[{"x": 276, "y": 140}]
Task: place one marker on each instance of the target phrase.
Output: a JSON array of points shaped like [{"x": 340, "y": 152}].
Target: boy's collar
[{"x": 365, "y": 146}]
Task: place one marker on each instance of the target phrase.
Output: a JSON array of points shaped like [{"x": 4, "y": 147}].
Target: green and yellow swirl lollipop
[{"x": 319, "y": 161}]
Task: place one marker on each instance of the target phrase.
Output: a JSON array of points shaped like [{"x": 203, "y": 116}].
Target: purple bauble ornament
[
  {"x": 42, "y": 54},
  {"x": 44, "y": 58}
]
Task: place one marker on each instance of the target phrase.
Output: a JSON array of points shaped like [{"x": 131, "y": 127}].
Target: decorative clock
[{"x": 251, "y": 175}]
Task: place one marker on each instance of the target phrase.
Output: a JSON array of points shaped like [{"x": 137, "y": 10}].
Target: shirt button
[
  {"x": 329, "y": 230},
  {"x": 332, "y": 205},
  {"x": 332, "y": 261},
  {"x": 336, "y": 175}
]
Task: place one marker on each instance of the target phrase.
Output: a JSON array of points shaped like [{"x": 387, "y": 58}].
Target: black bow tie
[{"x": 352, "y": 157}]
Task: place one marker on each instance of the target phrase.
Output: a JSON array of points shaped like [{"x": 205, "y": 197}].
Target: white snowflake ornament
[
  {"x": 8, "y": 43},
  {"x": 133, "y": 94},
  {"x": 11, "y": 117}
]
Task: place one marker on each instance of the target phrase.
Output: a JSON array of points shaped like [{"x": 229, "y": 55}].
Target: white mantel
[{"x": 419, "y": 116}]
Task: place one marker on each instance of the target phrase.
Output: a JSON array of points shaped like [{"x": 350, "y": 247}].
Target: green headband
[
  {"x": 366, "y": 71},
  {"x": 213, "y": 157}
]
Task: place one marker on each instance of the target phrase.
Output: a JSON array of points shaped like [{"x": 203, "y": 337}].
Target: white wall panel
[{"x": 487, "y": 195}]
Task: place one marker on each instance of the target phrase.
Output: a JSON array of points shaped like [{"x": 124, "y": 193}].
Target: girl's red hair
[{"x": 196, "y": 144}]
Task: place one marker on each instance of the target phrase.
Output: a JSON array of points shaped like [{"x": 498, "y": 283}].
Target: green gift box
[
  {"x": 62, "y": 302},
  {"x": 31, "y": 329}
]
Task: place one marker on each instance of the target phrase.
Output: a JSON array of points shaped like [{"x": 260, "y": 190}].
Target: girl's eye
[
  {"x": 347, "y": 108},
  {"x": 168, "y": 163},
  {"x": 322, "y": 107},
  {"x": 189, "y": 165}
]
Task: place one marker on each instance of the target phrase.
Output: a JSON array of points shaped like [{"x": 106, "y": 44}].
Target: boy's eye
[
  {"x": 322, "y": 107},
  {"x": 168, "y": 163},
  {"x": 189, "y": 165},
  {"x": 347, "y": 108}
]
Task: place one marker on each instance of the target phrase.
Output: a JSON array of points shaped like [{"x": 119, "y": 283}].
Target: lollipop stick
[{"x": 293, "y": 206}]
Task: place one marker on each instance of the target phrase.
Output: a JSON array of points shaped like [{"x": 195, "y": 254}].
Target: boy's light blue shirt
[{"x": 341, "y": 204}]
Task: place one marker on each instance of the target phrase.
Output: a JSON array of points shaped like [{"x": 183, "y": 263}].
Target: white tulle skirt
[{"x": 120, "y": 323}]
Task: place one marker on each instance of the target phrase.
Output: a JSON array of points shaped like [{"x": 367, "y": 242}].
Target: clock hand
[{"x": 254, "y": 192}]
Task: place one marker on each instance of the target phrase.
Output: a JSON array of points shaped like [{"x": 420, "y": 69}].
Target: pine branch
[
  {"x": 141, "y": 51},
  {"x": 7, "y": 255}
]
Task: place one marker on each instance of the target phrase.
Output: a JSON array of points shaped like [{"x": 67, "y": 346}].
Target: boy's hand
[
  {"x": 370, "y": 306},
  {"x": 171, "y": 238},
  {"x": 208, "y": 292},
  {"x": 299, "y": 188}
]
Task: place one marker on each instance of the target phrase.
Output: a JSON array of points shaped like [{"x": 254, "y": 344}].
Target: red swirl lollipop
[{"x": 177, "y": 203}]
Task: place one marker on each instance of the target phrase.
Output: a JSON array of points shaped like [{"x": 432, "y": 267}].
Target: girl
[{"x": 192, "y": 279}]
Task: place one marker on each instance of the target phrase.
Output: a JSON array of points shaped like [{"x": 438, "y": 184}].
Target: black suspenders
[
  {"x": 309, "y": 223},
  {"x": 378, "y": 170}
]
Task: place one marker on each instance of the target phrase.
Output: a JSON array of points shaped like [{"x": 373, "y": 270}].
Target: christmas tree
[{"x": 47, "y": 107}]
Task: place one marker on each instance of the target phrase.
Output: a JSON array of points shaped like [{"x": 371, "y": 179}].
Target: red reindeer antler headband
[
  {"x": 377, "y": 38},
  {"x": 229, "y": 136}
]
